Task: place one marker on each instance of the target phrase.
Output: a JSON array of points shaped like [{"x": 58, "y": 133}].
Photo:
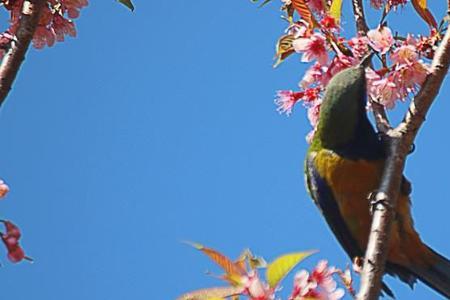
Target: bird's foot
[{"x": 378, "y": 199}]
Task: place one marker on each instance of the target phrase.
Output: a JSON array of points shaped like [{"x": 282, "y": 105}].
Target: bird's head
[{"x": 343, "y": 108}]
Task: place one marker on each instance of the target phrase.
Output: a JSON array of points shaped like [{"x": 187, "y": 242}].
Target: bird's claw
[{"x": 378, "y": 199}]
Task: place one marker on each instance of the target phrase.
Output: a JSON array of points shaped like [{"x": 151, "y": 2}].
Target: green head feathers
[{"x": 343, "y": 109}]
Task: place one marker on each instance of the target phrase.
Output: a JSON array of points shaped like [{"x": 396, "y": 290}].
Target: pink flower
[
  {"x": 329, "y": 23},
  {"x": 381, "y": 39},
  {"x": 4, "y": 189},
  {"x": 405, "y": 54},
  {"x": 55, "y": 21},
  {"x": 73, "y": 7},
  {"x": 386, "y": 91},
  {"x": 62, "y": 27},
  {"x": 359, "y": 46},
  {"x": 317, "y": 285},
  {"x": 410, "y": 77},
  {"x": 256, "y": 289},
  {"x": 43, "y": 36},
  {"x": 339, "y": 62},
  {"x": 377, "y": 3},
  {"x": 313, "y": 47},
  {"x": 312, "y": 76},
  {"x": 11, "y": 241},
  {"x": 286, "y": 100},
  {"x": 426, "y": 45},
  {"x": 314, "y": 112},
  {"x": 393, "y": 3},
  {"x": 322, "y": 274}
]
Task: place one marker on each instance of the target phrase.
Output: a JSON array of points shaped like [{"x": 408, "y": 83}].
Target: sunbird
[{"x": 344, "y": 164}]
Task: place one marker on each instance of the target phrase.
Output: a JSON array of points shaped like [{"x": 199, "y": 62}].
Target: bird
[{"x": 343, "y": 165}]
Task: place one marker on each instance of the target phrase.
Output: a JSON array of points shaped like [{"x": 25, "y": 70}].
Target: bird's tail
[{"x": 437, "y": 274}]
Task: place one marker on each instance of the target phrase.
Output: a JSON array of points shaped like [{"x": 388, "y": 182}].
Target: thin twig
[
  {"x": 378, "y": 110},
  {"x": 381, "y": 118},
  {"x": 360, "y": 19},
  {"x": 13, "y": 59},
  {"x": 401, "y": 140}
]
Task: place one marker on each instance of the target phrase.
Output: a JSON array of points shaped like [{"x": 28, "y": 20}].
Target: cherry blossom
[
  {"x": 55, "y": 23},
  {"x": 256, "y": 289},
  {"x": 313, "y": 75},
  {"x": 286, "y": 100},
  {"x": 312, "y": 48},
  {"x": 359, "y": 46},
  {"x": 329, "y": 23},
  {"x": 4, "y": 189},
  {"x": 11, "y": 241},
  {"x": 385, "y": 91},
  {"x": 381, "y": 39},
  {"x": 320, "y": 284},
  {"x": 393, "y": 3}
]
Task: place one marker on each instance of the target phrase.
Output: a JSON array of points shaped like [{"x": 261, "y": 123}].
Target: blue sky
[{"x": 159, "y": 126}]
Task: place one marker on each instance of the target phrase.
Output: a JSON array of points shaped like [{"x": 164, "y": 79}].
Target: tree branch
[
  {"x": 360, "y": 19},
  {"x": 378, "y": 110},
  {"x": 400, "y": 142},
  {"x": 13, "y": 59}
]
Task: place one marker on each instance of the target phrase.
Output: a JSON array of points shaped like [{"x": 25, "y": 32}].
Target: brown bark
[
  {"x": 400, "y": 142},
  {"x": 13, "y": 59}
]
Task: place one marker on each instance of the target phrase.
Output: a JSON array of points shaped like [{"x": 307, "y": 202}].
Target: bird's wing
[{"x": 324, "y": 199}]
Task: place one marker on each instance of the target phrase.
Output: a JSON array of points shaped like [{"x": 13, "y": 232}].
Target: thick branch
[
  {"x": 13, "y": 59},
  {"x": 401, "y": 140}
]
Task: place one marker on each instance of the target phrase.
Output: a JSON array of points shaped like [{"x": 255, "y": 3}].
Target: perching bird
[{"x": 344, "y": 165}]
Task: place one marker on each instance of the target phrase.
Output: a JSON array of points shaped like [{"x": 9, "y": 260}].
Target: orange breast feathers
[{"x": 351, "y": 182}]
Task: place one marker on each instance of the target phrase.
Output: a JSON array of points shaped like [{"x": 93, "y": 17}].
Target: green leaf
[
  {"x": 127, "y": 3},
  {"x": 336, "y": 10},
  {"x": 217, "y": 293},
  {"x": 281, "y": 266}
]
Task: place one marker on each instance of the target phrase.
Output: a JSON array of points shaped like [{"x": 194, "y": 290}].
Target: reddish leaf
[
  {"x": 421, "y": 8},
  {"x": 303, "y": 10},
  {"x": 234, "y": 271}
]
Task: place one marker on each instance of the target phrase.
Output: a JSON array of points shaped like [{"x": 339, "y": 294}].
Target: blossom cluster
[
  {"x": 12, "y": 235},
  {"x": 401, "y": 68},
  {"x": 11, "y": 241},
  {"x": 243, "y": 277},
  {"x": 320, "y": 284},
  {"x": 56, "y": 22}
]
